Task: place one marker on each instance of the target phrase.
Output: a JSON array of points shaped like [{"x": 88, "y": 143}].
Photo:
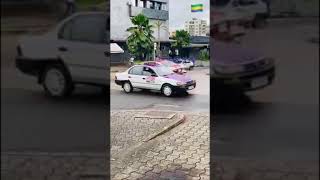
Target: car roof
[
  {"x": 232, "y": 54},
  {"x": 151, "y": 63}
]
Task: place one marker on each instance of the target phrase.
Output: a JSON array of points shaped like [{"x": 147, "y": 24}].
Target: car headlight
[
  {"x": 180, "y": 83},
  {"x": 225, "y": 69}
]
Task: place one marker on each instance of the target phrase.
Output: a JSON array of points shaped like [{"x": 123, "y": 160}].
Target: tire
[
  {"x": 127, "y": 87},
  {"x": 56, "y": 81},
  {"x": 258, "y": 22},
  {"x": 167, "y": 90}
]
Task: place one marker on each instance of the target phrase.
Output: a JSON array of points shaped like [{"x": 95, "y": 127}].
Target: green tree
[
  {"x": 203, "y": 55},
  {"x": 181, "y": 40},
  {"x": 140, "y": 41}
]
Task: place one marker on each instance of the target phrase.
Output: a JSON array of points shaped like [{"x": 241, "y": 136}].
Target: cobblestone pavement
[
  {"x": 245, "y": 169},
  {"x": 53, "y": 166},
  {"x": 181, "y": 153},
  {"x": 130, "y": 128}
]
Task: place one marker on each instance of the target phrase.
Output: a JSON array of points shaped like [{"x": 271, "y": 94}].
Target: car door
[
  {"x": 82, "y": 45},
  {"x": 151, "y": 78},
  {"x": 136, "y": 78}
]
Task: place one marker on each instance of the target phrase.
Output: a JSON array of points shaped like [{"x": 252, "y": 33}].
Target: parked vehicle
[
  {"x": 186, "y": 63},
  {"x": 177, "y": 68},
  {"x": 239, "y": 68},
  {"x": 74, "y": 52},
  {"x": 154, "y": 77}
]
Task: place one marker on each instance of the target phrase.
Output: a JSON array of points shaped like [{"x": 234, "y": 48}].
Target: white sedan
[
  {"x": 154, "y": 77},
  {"x": 75, "y": 51}
]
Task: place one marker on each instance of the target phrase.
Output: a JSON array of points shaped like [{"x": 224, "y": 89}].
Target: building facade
[
  {"x": 197, "y": 27},
  {"x": 121, "y": 12}
]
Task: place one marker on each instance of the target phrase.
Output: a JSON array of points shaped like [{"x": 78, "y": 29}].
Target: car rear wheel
[
  {"x": 127, "y": 87},
  {"x": 56, "y": 81},
  {"x": 167, "y": 90}
]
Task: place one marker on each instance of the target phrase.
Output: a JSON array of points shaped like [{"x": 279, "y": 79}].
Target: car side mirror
[{"x": 154, "y": 75}]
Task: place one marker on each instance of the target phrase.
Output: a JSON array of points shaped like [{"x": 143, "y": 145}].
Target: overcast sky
[{"x": 180, "y": 11}]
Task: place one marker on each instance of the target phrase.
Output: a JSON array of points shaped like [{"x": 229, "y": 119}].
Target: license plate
[
  {"x": 258, "y": 82},
  {"x": 191, "y": 87}
]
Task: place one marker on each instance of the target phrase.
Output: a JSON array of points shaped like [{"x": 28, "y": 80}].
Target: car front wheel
[
  {"x": 167, "y": 90},
  {"x": 56, "y": 81},
  {"x": 127, "y": 87}
]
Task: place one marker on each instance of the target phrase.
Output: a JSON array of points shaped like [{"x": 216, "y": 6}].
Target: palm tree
[
  {"x": 160, "y": 25},
  {"x": 181, "y": 39},
  {"x": 140, "y": 41}
]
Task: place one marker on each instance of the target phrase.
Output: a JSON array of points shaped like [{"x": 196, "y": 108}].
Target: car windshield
[
  {"x": 219, "y": 2},
  {"x": 163, "y": 70},
  {"x": 167, "y": 63}
]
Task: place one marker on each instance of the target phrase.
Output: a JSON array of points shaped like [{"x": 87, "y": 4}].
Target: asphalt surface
[
  {"x": 196, "y": 100},
  {"x": 31, "y": 121},
  {"x": 280, "y": 122}
]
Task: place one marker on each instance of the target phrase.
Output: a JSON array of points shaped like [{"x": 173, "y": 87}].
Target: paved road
[
  {"x": 282, "y": 122},
  {"x": 31, "y": 121},
  {"x": 197, "y": 100}
]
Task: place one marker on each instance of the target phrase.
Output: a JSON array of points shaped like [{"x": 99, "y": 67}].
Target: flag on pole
[{"x": 196, "y": 7}]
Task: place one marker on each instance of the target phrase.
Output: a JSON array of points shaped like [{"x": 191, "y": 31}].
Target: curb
[{"x": 172, "y": 125}]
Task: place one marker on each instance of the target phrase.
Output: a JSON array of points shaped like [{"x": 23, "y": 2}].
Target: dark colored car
[{"x": 240, "y": 68}]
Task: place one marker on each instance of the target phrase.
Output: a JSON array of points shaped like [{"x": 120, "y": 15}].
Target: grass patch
[{"x": 138, "y": 62}]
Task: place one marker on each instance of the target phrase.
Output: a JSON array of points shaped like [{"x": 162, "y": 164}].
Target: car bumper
[
  {"x": 27, "y": 66},
  {"x": 248, "y": 82},
  {"x": 118, "y": 82},
  {"x": 185, "y": 87}
]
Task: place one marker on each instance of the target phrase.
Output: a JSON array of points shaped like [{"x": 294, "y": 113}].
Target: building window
[
  {"x": 152, "y": 5},
  {"x": 164, "y": 6},
  {"x": 158, "y": 6},
  {"x": 144, "y": 3},
  {"x": 140, "y": 3}
]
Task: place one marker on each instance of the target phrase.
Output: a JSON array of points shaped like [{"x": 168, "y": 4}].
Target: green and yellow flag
[{"x": 196, "y": 7}]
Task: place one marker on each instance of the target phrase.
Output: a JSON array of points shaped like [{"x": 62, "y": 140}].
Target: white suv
[{"x": 75, "y": 51}]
